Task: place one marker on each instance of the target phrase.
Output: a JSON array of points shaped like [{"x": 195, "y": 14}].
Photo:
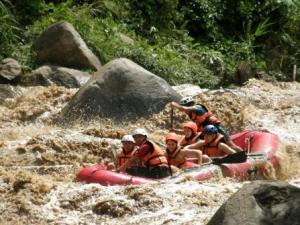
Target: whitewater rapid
[{"x": 51, "y": 196}]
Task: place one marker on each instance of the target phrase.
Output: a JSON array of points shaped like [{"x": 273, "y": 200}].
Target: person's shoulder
[
  {"x": 222, "y": 139},
  {"x": 146, "y": 145}
]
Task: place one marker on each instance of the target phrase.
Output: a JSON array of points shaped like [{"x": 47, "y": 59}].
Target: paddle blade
[{"x": 238, "y": 157}]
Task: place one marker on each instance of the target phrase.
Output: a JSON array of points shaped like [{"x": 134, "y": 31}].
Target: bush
[
  {"x": 169, "y": 58},
  {"x": 196, "y": 41},
  {"x": 9, "y": 29},
  {"x": 201, "y": 18},
  {"x": 30, "y": 10},
  {"x": 150, "y": 15}
]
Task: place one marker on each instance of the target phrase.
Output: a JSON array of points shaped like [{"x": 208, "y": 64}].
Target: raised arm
[{"x": 186, "y": 109}]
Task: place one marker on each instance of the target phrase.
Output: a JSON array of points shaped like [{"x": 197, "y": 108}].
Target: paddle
[
  {"x": 238, "y": 157},
  {"x": 171, "y": 118},
  {"x": 171, "y": 127}
]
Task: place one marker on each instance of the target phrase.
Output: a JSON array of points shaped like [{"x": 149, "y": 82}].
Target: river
[{"x": 39, "y": 159}]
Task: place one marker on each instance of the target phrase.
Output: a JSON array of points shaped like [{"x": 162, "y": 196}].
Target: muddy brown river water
[{"x": 39, "y": 159}]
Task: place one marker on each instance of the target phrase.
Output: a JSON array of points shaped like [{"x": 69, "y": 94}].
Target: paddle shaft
[
  {"x": 171, "y": 118},
  {"x": 249, "y": 155},
  {"x": 238, "y": 157}
]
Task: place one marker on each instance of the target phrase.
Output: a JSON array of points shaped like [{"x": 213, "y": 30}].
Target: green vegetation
[
  {"x": 195, "y": 41},
  {"x": 9, "y": 29}
]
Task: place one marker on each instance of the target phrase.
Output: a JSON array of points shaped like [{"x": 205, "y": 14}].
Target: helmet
[
  {"x": 210, "y": 129},
  {"x": 140, "y": 131},
  {"x": 172, "y": 136},
  {"x": 127, "y": 138},
  {"x": 187, "y": 101},
  {"x": 191, "y": 125},
  {"x": 200, "y": 110}
]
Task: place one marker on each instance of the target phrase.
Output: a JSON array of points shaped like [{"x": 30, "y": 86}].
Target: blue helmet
[
  {"x": 200, "y": 110},
  {"x": 210, "y": 129}
]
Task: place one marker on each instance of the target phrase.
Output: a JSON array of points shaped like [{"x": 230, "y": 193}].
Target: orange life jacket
[
  {"x": 155, "y": 157},
  {"x": 211, "y": 149},
  {"x": 200, "y": 119},
  {"x": 194, "y": 139},
  {"x": 172, "y": 158},
  {"x": 123, "y": 157}
]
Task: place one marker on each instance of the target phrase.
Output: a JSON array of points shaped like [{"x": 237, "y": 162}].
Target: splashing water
[{"x": 39, "y": 160}]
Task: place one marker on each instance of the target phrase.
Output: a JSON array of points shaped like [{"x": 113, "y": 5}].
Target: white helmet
[
  {"x": 187, "y": 101},
  {"x": 140, "y": 131},
  {"x": 128, "y": 138}
]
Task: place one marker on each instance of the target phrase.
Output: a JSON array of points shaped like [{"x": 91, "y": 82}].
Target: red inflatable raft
[{"x": 260, "y": 146}]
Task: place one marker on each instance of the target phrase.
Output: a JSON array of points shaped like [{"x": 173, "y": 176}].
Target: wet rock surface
[
  {"x": 61, "y": 76},
  {"x": 60, "y": 44},
  {"x": 244, "y": 72},
  {"x": 261, "y": 203},
  {"x": 10, "y": 69},
  {"x": 120, "y": 86}
]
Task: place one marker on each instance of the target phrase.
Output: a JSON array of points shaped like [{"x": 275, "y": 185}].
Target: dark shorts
[
  {"x": 155, "y": 172},
  {"x": 223, "y": 131},
  {"x": 159, "y": 172},
  {"x": 140, "y": 171}
]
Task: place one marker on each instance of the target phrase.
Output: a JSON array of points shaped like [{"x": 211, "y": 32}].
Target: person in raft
[
  {"x": 213, "y": 144},
  {"x": 178, "y": 157},
  {"x": 150, "y": 155},
  {"x": 203, "y": 117},
  {"x": 191, "y": 134},
  {"x": 127, "y": 151},
  {"x": 124, "y": 153}
]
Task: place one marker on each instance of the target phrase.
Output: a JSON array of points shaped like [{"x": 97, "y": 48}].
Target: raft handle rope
[{"x": 248, "y": 141}]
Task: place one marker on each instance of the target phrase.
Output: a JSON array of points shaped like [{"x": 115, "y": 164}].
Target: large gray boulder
[
  {"x": 261, "y": 203},
  {"x": 61, "y": 45},
  {"x": 61, "y": 76},
  {"x": 122, "y": 90},
  {"x": 10, "y": 68}
]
